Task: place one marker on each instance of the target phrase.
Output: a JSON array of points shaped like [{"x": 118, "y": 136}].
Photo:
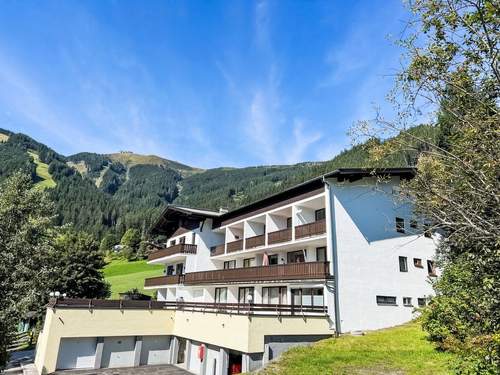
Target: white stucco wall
[{"x": 368, "y": 249}]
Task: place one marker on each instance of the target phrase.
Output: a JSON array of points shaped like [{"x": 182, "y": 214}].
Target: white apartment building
[{"x": 335, "y": 254}]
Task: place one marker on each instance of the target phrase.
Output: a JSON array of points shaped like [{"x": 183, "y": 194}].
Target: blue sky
[{"x": 207, "y": 83}]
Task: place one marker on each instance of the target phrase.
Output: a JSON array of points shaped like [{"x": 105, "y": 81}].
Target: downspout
[{"x": 333, "y": 244}]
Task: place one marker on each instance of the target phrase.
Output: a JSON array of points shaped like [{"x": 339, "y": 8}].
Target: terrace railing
[{"x": 310, "y": 229}]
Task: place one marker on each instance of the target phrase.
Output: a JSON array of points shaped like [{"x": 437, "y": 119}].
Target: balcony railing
[
  {"x": 180, "y": 248},
  {"x": 163, "y": 280},
  {"x": 291, "y": 271},
  {"x": 234, "y": 246},
  {"x": 310, "y": 229},
  {"x": 283, "y": 235},
  {"x": 217, "y": 250},
  {"x": 232, "y": 308},
  {"x": 255, "y": 241}
]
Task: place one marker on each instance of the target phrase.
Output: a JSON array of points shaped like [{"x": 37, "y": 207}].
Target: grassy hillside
[
  {"x": 42, "y": 172},
  {"x": 130, "y": 159},
  {"x": 124, "y": 275},
  {"x": 397, "y": 351}
]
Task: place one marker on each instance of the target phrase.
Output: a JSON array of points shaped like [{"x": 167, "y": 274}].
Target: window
[
  {"x": 321, "y": 254},
  {"x": 274, "y": 295},
  {"x": 413, "y": 224},
  {"x": 431, "y": 268},
  {"x": 319, "y": 214},
  {"x": 179, "y": 269},
  {"x": 427, "y": 230},
  {"x": 400, "y": 225},
  {"x": 249, "y": 262},
  {"x": 308, "y": 297},
  {"x": 182, "y": 240},
  {"x": 172, "y": 243},
  {"x": 417, "y": 262},
  {"x": 407, "y": 301},
  {"x": 273, "y": 259},
  {"x": 403, "y": 264},
  {"x": 421, "y": 302},
  {"x": 170, "y": 270},
  {"x": 220, "y": 295},
  {"x": 386, "y": 300},
  {"x": 295, "y": 256},
  {"x": 288, "y": 222},
  {"x": 193, "y": 238},
  {"x": 229, "y": 264},
  {"x": 245, "y": 294}
]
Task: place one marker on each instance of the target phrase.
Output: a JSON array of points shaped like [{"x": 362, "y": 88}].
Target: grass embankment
[
  {"x": 396, "y": 351},
  {"x": 42, "y": 171},
  {"x": 124, "y": 275}
]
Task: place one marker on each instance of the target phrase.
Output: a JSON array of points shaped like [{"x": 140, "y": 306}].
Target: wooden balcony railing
[
  {"x": 310, "y": 229},
  {"x": 180, "y": 248},
  {"x": 234, "y": 246},
  {"x": 163, "y": 280},
  {"x": 283, "y": 235},
  {"x": 205, "y": 307},
  {"x": 255, "y": 241},
  {"x": 291, "y": 271},
  {"x": 217, "y": 250}
]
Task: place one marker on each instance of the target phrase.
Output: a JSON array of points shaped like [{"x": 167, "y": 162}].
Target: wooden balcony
[
  {"x": 234, "y": 246},
  {"x": 217, "y": 250},
  {"x": 163, "y": 280},
  {"x": 310, "y": 229},
  {"x": 279, "y": 272},
  {"x": 255, "y": 241},
  {"x": 283, "y": 235},
  {"x": 180, "y": 248}
]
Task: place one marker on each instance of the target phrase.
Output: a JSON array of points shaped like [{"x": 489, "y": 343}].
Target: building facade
[{"x": 336, "y": 254}]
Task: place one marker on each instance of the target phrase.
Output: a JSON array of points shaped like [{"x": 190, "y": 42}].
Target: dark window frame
[
  {"x": 417, "y": 262},
  {"x": 282, "y": 294},
  {"x": 407, "y": 301},
  {"x": 292, "y": 256},
  {"x": 218, "y": 294},
  {"x": 228, "y": 263},
  {"x": 403, "y": 264},
  {"x": 320, "y": 214},
  {"x": 323, "y": 249},
  {"x": 431, "y": 268},
  {"x": 248, "y": 260},
  {"x": 400, "y": 224},
  {"x": 386, "y": 300},
  {"x": 421, "y": 302},
  {"x": 271, "y": 258},
  {"x": 246, "y": 289},
  {"x": 288, "y": 222}
]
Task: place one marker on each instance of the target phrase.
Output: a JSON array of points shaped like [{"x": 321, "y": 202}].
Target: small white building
[{"x": 335, "y": 254}]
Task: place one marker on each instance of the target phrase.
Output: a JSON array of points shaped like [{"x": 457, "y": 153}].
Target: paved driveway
[{"x": 143, "y": 370}]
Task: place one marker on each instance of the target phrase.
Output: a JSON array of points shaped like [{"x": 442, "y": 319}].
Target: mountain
[{"x": 112, "y": 192}]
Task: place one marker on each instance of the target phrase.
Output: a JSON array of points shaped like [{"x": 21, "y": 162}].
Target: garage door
[
  {"x": 76, "y": 353},
  {"x": 118, "y": 352},
  {"x": 155, "y": 350}
]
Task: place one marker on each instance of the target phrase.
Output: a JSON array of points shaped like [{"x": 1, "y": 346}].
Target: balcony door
[{"x": 246, "y": 294}]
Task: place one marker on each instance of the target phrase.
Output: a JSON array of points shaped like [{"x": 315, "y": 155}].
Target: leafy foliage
[
  {"x": 78, "y": 264},
  {"x": 26, "y": 248},
  {"x": 452, "y": 55}
]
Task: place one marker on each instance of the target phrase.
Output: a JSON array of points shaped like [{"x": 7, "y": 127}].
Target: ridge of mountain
[{"x": 100, "y": 193}]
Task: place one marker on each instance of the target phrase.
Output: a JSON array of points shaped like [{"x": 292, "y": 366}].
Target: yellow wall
[
  {"x": 237, "y": 332},
  {"x": 61, "y": 323}
]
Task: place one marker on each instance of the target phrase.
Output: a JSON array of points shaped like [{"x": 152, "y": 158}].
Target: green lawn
[
  {"x": 395, "y": 351},
  {"x": 42, "y": 171},
  {"x": 124, "y": 275}
]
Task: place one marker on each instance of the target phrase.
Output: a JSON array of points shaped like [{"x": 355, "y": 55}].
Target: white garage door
[
  {"x": 76, "y": 353},
  {"x": 212, "y": 355},
  {"x": 155, "y": 350},
  {"x": 118, "y": 352},
  {"x": 194, "y": 361}
]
